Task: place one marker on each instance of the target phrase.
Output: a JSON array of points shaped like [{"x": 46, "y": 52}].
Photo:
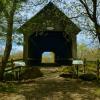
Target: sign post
[{"x": 77, "y": 63}]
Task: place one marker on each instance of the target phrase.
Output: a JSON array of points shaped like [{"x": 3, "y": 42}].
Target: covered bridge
[{"x": 49, "y": 30}]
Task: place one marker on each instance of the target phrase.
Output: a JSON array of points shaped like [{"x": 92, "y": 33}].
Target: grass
[
  {"x": 15, "y": 56},
  {"x": 18, "y": 55},
  {"x": 7, "y": 87}
]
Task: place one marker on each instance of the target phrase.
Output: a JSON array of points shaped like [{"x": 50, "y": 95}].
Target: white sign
[
  {"x": 77, "y": 62},
  {"x": 50, "y": 28},
  {"x": 19, "y": 63}
]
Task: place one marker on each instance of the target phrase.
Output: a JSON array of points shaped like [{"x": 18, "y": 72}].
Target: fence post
[
  {"x": 98, "y": 67},
  {"x": 84, "y": 65},
  {"x": 12, "y": 65},
  {"x": 19, "y": 72}
]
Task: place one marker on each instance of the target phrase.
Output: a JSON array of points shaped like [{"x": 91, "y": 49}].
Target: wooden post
[
  {"x": 84, "y": 69},
  {"x": 25, "y": 47},
  {"x": 12, "y": 65},
  {"x": 77, "y": 70},
  {"x": 98, "y": 67},
  {"x": 74, "y": 46},
  {"x": 19, "y": 73}
]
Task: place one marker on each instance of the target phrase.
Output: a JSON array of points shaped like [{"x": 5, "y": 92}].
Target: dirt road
[{"x": 53, "y": 87}]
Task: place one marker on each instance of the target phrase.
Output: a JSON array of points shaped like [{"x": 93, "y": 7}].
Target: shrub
[{"x": 88, "y": 77}]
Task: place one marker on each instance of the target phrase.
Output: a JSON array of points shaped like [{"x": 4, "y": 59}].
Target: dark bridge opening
[{"x": 55, "y": 41}]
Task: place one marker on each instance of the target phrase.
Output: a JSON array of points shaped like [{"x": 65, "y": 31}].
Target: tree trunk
[
  {"x": 8, "y": 47},
  {"x": 99, "y": 37}
]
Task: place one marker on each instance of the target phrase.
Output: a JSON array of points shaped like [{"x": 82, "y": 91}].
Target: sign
[
  {"x": 19, "y": 63},
  {"x": 50, "y": 28},
  {"x": 77, "y": 62}
]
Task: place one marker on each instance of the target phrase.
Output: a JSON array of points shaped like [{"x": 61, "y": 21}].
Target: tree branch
[
  {"x": 87, "y": 9},
  {"x": 94, "y": 11}
]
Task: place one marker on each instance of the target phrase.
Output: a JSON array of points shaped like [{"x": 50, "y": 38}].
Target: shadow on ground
[
  {"x": 58, "y": 88},
  {"x": 53, "y": 87}
]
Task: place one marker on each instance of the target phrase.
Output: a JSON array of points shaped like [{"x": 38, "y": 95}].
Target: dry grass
[{"x": 18, "y": 55}]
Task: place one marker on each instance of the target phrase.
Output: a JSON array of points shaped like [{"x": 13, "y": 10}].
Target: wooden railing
[
  {"x": 12, "y": 68},
  {"x": 96, "y": 65},
  {"x": 16, "y": 70}
]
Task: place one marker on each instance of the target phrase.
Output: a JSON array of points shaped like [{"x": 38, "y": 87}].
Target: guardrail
[
  {"x": 96, "y": 64},
  {"x": 14, "y": 68},
  {"x": 16, "y": 72}
]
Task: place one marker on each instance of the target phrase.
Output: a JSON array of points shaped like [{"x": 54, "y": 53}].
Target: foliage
[
  {"x": 85, "y": 13},
  {"x": 88, "y": 77},
  {"x": 9, "y": 8},
  {"x": 83, "y": 51}
]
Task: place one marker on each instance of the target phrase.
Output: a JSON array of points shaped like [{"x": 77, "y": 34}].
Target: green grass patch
[
  {"x": 8, "y": 87},
  {"x": 97, "y": 92}
]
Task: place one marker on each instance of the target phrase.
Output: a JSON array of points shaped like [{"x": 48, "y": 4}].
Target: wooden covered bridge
[{"x": 50, "y": 30}]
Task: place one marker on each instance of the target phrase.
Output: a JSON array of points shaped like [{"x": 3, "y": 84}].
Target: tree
[
  {"x": 93, "y": 15},
  {"x": 86, "y": 52},
  {"x": 8, "y": 8},
  {"x": 82, "y": 50},
  {"x": 86, "y": 12}
]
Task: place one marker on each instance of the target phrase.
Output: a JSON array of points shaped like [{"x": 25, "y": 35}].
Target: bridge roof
[{"x": 50, "y": 17}]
